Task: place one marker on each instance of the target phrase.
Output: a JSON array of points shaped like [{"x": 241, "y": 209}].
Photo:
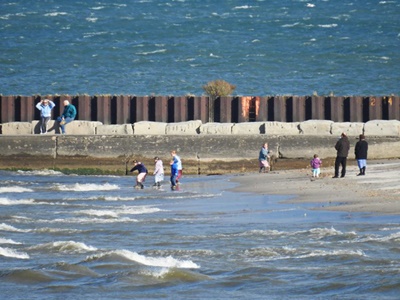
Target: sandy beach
[{"x": 377, "y": 192}]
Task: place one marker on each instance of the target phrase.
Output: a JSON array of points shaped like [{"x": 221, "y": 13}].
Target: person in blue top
[
  {"x": 174, "y": 169},
  {"x": 45, "y": 106},
  {"x": 142, "y": 173},
  {"x": 263, "y": 159},
  {"x": 67, "y": 116}
]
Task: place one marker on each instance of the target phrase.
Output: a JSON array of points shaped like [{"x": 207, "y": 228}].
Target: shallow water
[{"x": 96, "y": 237}]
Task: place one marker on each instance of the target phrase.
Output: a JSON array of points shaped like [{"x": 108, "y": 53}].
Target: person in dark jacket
[
  {"x": 361, "y": 152},
  {"x": 342, "y": 147},
  {"x": 67, "y": 116},
  {"x": 142, "y": 173}
]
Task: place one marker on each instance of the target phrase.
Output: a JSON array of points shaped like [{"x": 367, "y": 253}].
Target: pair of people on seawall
[
  {"x": 45, "y": 106},
  {"x": 176, "y": 171}
]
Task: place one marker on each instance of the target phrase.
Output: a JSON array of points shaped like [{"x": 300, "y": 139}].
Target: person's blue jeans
[
  {"x": 173, "y": 177},
  {"x": 67, "y": 120}
]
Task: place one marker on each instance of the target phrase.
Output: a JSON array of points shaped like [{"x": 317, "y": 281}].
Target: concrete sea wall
[{"x": 204, "y": 148}]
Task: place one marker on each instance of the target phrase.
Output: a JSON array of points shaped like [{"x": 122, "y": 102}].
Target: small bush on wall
[{"x": 218, "y": 88}]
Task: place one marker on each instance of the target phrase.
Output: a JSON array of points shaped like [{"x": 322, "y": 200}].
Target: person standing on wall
[
  {"x": 361, "y": 152},
  {"x": 45, "y": 106},
  {"x": 67, "y": 116},
  {"x": 342, "y": 147}
]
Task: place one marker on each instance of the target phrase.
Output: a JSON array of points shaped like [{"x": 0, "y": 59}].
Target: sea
[
  {"x": 96, "y": 237},
  {"x": 175, "y": 47}
]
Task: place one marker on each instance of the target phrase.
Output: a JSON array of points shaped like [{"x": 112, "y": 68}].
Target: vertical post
[
  {"x": 356, "y": 109},
  {"x": 280, "y": 108},
  {"x": 337, "y": 109},
  {"x": 142, "y": 108},
  {"x": 181, "y": 109},
  {"x": 104, "y": 109},
  {"x": 84, "y": 107},
  {"x": 161, "y": 109},
  {"x": 375, "y": 108},
  {"x": 317, "y": 107},
  {"x": 27, "y": 108},
  {"x": 7, "y": 109},
  {"x": 226, "y": 109},
  {"x": 123, "y": 109},
  {"x": 244, "y": 108},
  {"x": 261, "y": 108},
  {"x": 394, "y": 107},
  {"x": 299, "y": 108},
  {"x": 201, "y": 109}
]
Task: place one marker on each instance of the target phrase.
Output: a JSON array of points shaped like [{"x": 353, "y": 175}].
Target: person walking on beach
[
  {"x": 263, "y": 159},
  {"x": 361, "y": 152},
  {"x": 316, "y": 163},
  {"x": 45, "y": 106},
  {"x": 142, "y": 173},
  {"x": 67, "y": 116},
  {"x": 174, "y": 169},
  {"x": 342, "y": 147},
  {"x": 158, "y": 172}
]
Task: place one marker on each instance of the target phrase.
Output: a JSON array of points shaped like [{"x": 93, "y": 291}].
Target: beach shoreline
[{"x": 378, "y": 192}]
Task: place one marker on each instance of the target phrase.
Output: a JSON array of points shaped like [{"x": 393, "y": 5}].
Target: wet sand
[{"x": 376, "y": 192}]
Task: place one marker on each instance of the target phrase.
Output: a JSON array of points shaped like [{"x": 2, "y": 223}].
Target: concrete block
[
  {"x": 315, "y": 127},
  {"x": 52, "y": 127},
  {"x": 216, "y": 128},
  {"x": 189, "y": 127},
  {"x": 350, "y": 128},
  {"x": 149, "y": 128},
  {"x": 282, "y": 128},
  {"x": 248, "y": 128},
  {"x": 382, "y": 128},
  {"x": 17, "y": 128},
  {"x": 114, "y": 129},
  {"x": 82, "y": 127}
]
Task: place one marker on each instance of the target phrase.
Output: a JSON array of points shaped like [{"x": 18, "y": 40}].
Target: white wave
[
  {"x": 64, "y": 246},
  {"x": 328, "y": 25},
  {"x": 6, "y": 201},
  {"x": 323, "y": 253},
  {"x": 14, "y": 189},
  {"x": 243, "y": 7},
  {"x": 152, "y": 52},
  {"x": 44, "y": 172},
  {"x": 166, "y": 262},
  {"x": 8, "y": 241},
  {"x": 310, "y": 5},
  {"x": 98, "y": 213},
  {"x": 97, "y": 7},
  {"x": 86, "y": 187},
  {"x": 93, "y": 20},
  {"x": 291, "y": 25},
  {"x": 57, "y": 230},
  {"x": 12, "y": 253},
  {"x": 5, "y": 227},
  {"x": 89, "y": 221},
  {"x": 139, "y": 210},
  {"x": 55, "y": 14}
]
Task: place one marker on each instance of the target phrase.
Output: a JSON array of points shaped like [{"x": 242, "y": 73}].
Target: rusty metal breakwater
[{"x": 122, "y": 109}]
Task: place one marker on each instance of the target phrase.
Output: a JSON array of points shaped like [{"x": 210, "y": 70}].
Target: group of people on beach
[
  {"x": 46, "y": 106},
  {"x": 342, "y": 147},
  {"x": 176, "y": 171}
]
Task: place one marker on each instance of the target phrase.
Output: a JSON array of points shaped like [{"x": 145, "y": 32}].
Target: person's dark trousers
[{"x": 340, "y": 161}]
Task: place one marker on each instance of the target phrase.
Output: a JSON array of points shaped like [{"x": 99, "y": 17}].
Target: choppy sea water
[
  {"x": 264, "y": 47},
  {"x": 95, "y": 237}
]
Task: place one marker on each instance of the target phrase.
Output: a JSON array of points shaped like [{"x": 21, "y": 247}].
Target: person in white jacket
[{"x": 158, "y": 172}]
